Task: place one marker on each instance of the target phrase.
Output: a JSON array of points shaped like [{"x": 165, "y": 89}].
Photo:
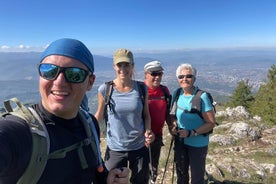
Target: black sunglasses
[
  {"x": 188, "y": 76},
  {"x": 72, "y": 74},
  {"x": 154, "y": 74}
]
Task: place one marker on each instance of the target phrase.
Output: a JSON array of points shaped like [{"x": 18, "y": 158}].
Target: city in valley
[{"x": 219, "y": 71}]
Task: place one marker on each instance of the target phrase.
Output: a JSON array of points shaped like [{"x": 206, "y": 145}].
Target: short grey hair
[{"x": 185, "y": 66}]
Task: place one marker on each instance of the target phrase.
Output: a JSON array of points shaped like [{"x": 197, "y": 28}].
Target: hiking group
[{"x": 57, "y": 139}]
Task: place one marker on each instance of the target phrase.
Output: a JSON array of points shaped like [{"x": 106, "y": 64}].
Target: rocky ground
[{"x": 242, "y": 150}]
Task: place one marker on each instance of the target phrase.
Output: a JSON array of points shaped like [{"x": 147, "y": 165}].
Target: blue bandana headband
[{"x": 71, "y": 48}]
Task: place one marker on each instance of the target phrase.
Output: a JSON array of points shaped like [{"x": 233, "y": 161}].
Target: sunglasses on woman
[
  {"x": 188, "y": 76},
  {"x": 72, "y": 74}
]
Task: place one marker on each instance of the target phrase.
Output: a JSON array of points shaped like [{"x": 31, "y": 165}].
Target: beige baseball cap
[{"x": 122, "y": 55}]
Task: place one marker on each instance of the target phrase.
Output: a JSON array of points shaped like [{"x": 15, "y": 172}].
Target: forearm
[
  {"x": 146, "y": 115},
  {"x": 209, "y": 123},
  {"x": 169, "y": 120},
  {"x": 16, "y": 146},
  {"x": 205, "y": 128},
  {"x": 172, "y": 124},
  {"x": 147, "y": 123},
  {"x": 99, "y": 115}
]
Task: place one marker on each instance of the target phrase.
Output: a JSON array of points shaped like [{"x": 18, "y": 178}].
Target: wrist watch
[{"x": 195, "y": 132}]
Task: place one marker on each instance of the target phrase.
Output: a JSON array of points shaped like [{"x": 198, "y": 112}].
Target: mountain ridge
[{"x": 219, "y": 71}]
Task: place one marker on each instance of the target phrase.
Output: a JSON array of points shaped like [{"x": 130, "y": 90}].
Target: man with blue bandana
[{"x": 66, "y": 72}]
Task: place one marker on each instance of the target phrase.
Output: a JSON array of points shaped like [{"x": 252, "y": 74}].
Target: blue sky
[{"x": 106, "y": 25}]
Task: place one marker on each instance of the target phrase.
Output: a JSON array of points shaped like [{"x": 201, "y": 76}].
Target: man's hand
[{"x": 118, "y": 176}]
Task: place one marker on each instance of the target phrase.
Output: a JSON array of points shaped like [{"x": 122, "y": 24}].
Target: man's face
[
  {"x": 153, "y": 79},
  {"x": 60, "y": 96}
]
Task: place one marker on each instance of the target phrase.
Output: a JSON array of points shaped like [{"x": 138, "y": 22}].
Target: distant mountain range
[{"x": 218, "y": 70}]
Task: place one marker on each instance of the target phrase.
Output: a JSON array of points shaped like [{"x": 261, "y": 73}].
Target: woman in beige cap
[{"x": 128, "y": 126}]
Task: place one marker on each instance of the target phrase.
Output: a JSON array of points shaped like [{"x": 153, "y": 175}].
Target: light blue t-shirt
[
  {"x": 191, "y": 121},
  {"x": 125, "y": 127}
]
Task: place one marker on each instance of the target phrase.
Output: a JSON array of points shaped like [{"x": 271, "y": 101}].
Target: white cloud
[
  {"x": 5, "y": 47},
  {"x": 21, "y": 48},
  {"x": 24, "y": 47}
]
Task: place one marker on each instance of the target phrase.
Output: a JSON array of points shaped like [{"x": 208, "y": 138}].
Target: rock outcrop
[{"x": 246, "y": 147}]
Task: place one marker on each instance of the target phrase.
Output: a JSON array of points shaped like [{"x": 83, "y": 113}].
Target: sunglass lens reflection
[
  {"x": 48, "y": 71},
  {"x": 72, "y": 74}
]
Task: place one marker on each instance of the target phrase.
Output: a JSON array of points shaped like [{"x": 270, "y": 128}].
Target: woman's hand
[
  {"x": 173, "y": 130},
  {"x": 150, "y": 137},
  {"x": 183, "y": 133}
]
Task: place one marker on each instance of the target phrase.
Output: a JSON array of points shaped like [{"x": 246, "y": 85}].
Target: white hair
[{"x": 185, "y": 66}]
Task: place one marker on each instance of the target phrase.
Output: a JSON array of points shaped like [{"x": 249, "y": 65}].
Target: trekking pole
[
  {"x": 150, "y": 160},
  {"x": 150, "y": 166},
  {"x": 173, "y": 172},
  {"x": 167, "y": 160}
]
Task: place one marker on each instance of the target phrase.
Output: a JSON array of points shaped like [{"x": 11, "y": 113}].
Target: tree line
[{"x": 262, "y": 103}]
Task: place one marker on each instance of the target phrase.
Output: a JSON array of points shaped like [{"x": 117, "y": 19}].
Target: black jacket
[{"x": 16, "y": 145}]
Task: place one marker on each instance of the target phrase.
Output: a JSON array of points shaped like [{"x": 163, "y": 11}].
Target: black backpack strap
[
  {"x": 92, "y": 130},
  {"x": 174, "y": 102},
  {"x": 211, "y": 100},
  {"x": 196, "y": 103},
  {"x": 142, "y": 91},
  {"x": 108, "y": 92},
  {"x": 92, "y": 133},
  {"x": 168, "y": 97},
  {"x": 107, "y": 95}
]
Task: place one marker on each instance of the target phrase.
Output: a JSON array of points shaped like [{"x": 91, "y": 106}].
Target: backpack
[
  {"x": 107, "y": 95},
  {"x": 167, "y": 97},
  {"x": 41, "y": 142},
  {"x": 195, "y": 104}
]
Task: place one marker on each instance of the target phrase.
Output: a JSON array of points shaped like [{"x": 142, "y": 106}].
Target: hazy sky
[{"x": 106, "y": 25}]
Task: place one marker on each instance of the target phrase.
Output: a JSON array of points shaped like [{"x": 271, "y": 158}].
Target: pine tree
[
  {"x": 242, "y": 95},
  {"x": 265, "y": 101}
]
